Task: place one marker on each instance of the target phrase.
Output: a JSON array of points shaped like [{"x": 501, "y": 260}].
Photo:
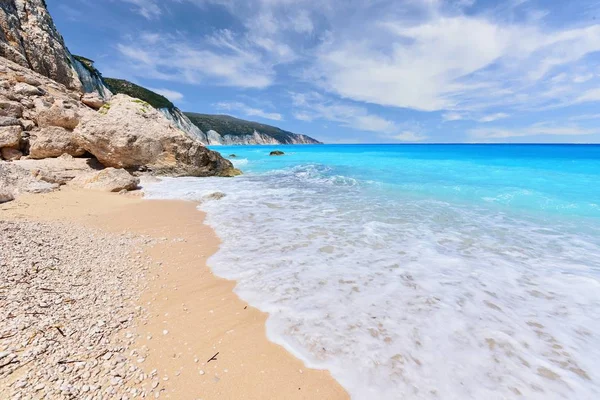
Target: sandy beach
[{"x": 186, "y": 334}]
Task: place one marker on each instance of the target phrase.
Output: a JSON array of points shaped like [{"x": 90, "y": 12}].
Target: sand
[{"x": 189, "y": 314}]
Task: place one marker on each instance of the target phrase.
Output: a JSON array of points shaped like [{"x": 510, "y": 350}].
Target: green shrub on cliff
[{"x": 131, "y": 89}]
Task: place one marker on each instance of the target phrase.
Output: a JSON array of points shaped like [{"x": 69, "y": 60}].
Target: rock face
[
  {"x": 38, "y": 115},
  {"x": 107, "y": 180},
  {"x": 49, "y": 120},
  {"x": 53, "y": 141},
  {"x": 59, "y": 170},
  {"x": 90, "y": 77},
  {"x": 182, "y": 122},
  {"x": 129, "y": 133},
  {"x": 29, "y": 38},
  {"x": 15, "y": 180}
]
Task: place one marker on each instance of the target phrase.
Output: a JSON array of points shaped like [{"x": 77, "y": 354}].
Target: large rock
[
  {"x": 29, "y": 38},
  {"x": 10, "y": 154},
  {"x": 53, "y": 141},
  {"x": 63, "y": 113},
  {"x": 10, "y": 136},
  {"x": 107, "y": 180},
  {"x": 11, "y": 109},
  {"x": 59, "y": 170},
  {"x": 93, "y": 100},
  {"x": 16, "y": 180},
  {"x": 129, "y": 133},
  {"x": 5, "y": 196}
]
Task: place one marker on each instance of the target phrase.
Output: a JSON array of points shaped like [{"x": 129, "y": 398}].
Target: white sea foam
[{"x": 409, "y": 298}]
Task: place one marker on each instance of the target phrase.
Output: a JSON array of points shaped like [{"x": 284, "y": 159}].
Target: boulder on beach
[
  {"x": 107, "y": 180},
  {"x": 16, "y": 180},
  {"x": 276, "y": 153},
  {"x": 129, "y": 133},
  {"x": 6, "y": 196}
]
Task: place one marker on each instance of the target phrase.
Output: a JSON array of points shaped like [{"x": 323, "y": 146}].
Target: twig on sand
[
  {"x": 213, "y": 358},
  {"x": 101, "y": 354},
  {"x": 70, "y": 361}
]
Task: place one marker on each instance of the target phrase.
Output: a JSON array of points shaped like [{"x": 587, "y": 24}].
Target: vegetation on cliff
[
  {"x": 121, "y": 86},
  {"x": 227, "y": 125}
]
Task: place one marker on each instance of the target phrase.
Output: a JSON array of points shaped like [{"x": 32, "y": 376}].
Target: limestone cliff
[
  {"x": 29, "y": 37},
  {"x": 227, "y": 130}
]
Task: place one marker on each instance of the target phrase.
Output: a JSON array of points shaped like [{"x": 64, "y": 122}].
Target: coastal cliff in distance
[{"x": 227, "y": 130}]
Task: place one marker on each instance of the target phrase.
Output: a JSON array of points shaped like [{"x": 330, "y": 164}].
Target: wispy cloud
[
  {"x": 248, "y": 111},
  {"x": 410, "y": 136},
  {"x": 147, "y": 8},
  {"x": 169, "y": 94},
  {"x": 453, "y": 116},
  {"x": 224, "y": 58},
  {"x": 493, "y": 117},
  {"x": 314, "y": 106}
]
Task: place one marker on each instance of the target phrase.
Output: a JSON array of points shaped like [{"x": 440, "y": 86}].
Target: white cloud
[
  {"x": 409, "y": 136},
  {"x": 444, "y": 62},
  {"x": 452, "y": 116},
  {"x": 493, "y": 117},
  {"x": 584, "y": 117},
  {"x": 583, "y": 78},
  {"x": 248, "y": 111},
  {"x": 589, "y": 96},
  {"x": 313, "y": 106},
  {"x": 149, "y": 9},
  {"x": 169, "y": 94},
  {"x": 455, "y": 116}
]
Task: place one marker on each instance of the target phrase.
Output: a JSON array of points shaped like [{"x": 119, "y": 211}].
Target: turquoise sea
[{"x": 419, "y": 271}]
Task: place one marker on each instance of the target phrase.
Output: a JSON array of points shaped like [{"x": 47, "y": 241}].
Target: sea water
[{"x": 419, "y": 272}]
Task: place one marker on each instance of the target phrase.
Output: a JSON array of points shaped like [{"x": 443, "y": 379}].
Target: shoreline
[{"x": 188, "y": 314}]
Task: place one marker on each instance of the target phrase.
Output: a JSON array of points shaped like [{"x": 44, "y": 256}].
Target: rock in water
[
  {"x": 276, "y": 153},
  {"x": 29, "y": 37},
  {"x": 215, "y": 196},
  {"x": 107, "y": 180},
  {"x": 129, "y": 133}
]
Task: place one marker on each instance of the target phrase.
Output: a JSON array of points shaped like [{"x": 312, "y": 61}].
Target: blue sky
[{"x": 359, "y": 71}]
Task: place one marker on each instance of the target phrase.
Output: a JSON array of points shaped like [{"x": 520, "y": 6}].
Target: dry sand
[{"x": 189, "y": 314}]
